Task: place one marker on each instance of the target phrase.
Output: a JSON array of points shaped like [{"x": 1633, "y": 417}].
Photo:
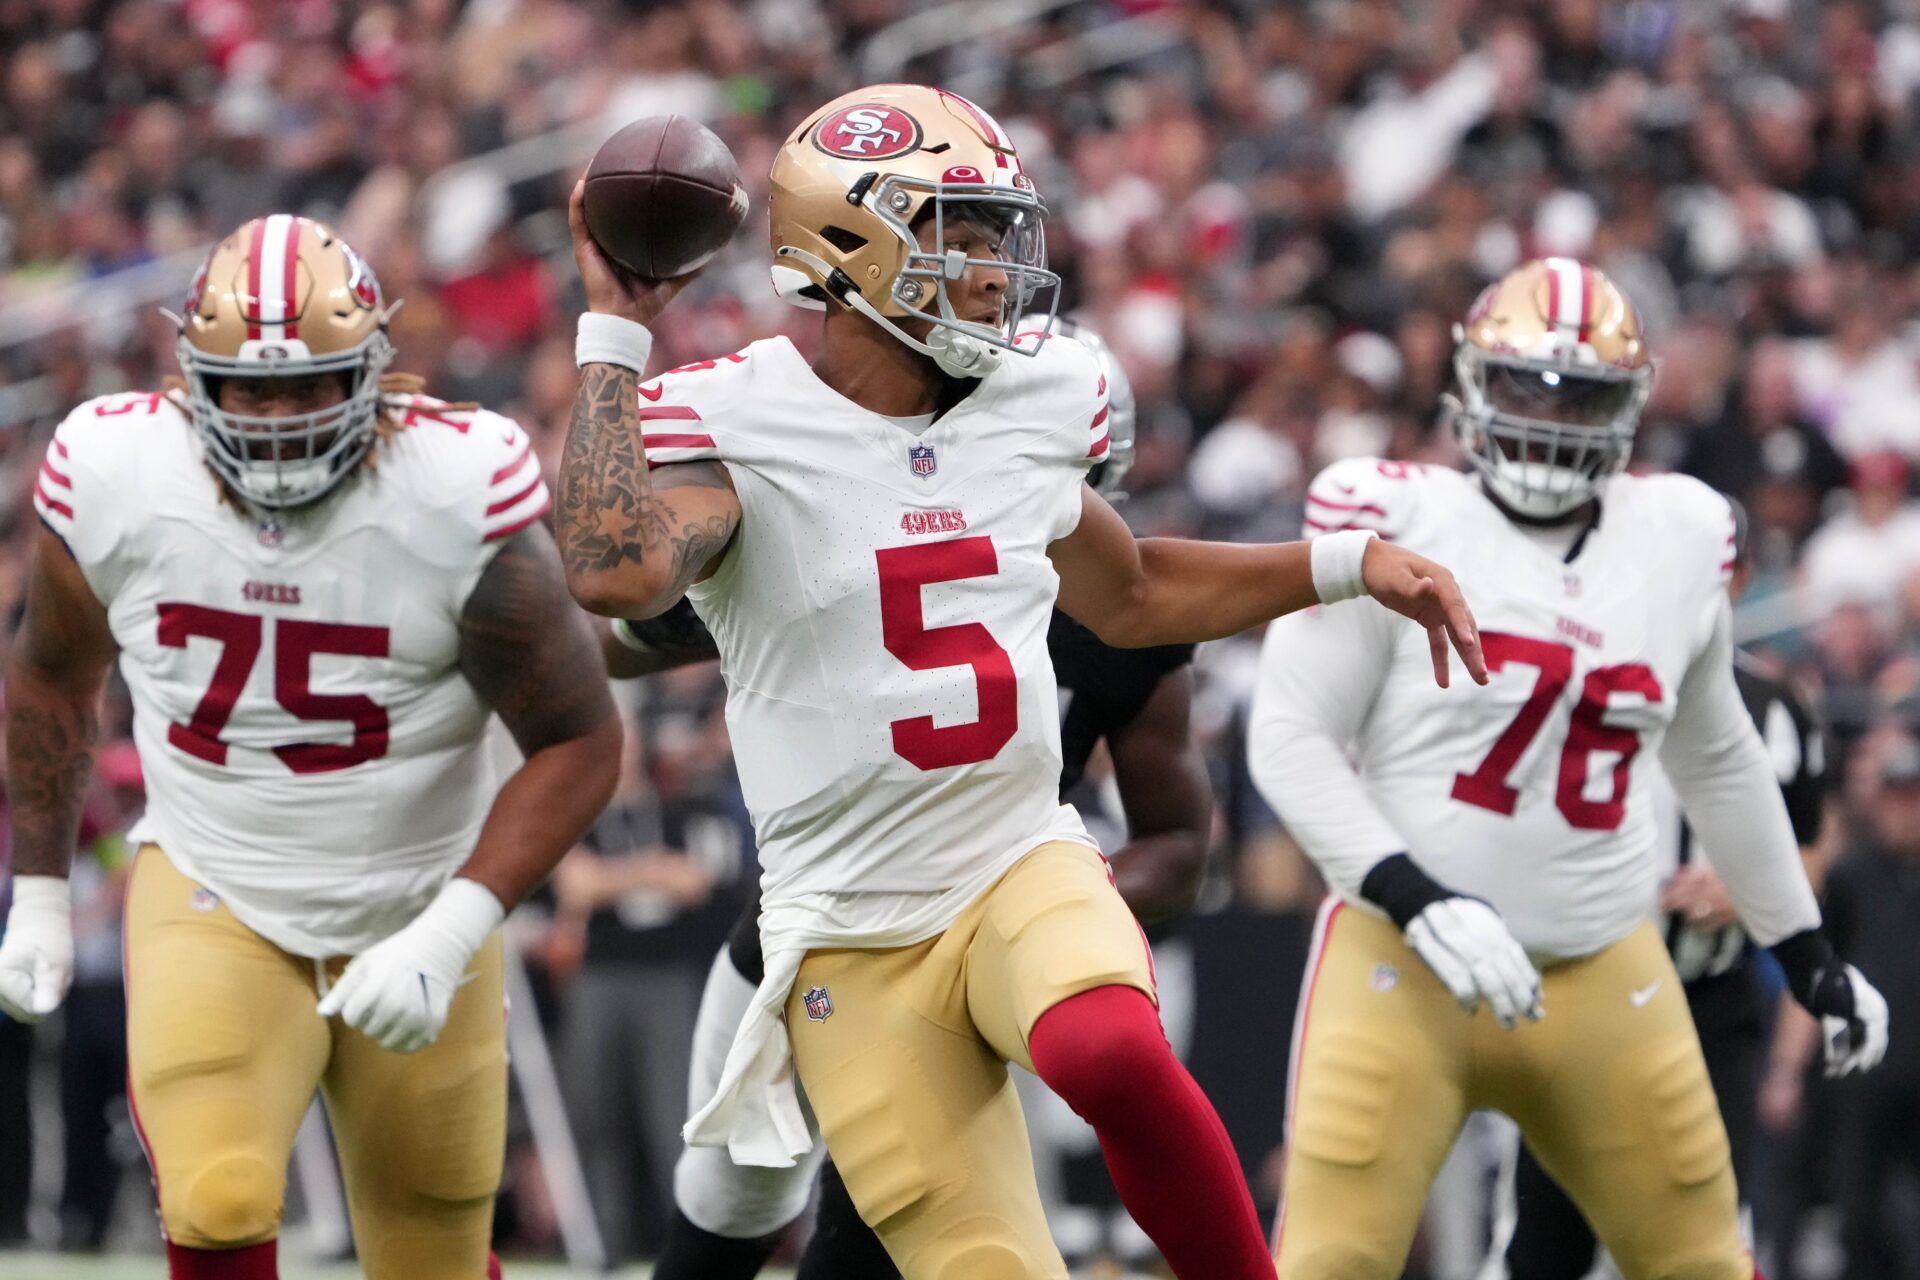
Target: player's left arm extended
[
  {"x": 531, "y": 656},
  {"x": 1163, "y": 786},
  {"x": 1725, "y": 779},
  {"x": 1135, "y": 592},
  {"x": 55, "y": 675}
]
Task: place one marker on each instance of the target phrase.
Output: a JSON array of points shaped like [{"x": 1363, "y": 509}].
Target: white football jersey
[
  {"x": 312, "y": 752},
  {"x": 1534, "y": 791},
  {"x": 882, "y": 612}
]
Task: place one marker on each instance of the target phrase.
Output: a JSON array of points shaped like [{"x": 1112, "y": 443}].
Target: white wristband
[
  {"x": 605, "y": 339},
  {"x": 47, "y": 896},
  {"x": 1336, "y": 559}
]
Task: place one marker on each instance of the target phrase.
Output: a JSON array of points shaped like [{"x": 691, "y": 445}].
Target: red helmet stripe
[
  {"x": 1586, "y": 300},
  {"x": 290, "y": 283},
  {"x": 255, "y": 250}
]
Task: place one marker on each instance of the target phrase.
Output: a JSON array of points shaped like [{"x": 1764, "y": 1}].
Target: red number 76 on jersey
[{"x": 1587, "y": 732}]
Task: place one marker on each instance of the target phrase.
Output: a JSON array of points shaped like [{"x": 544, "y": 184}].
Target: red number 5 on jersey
[
  {"x": 1587, "y": 732},
  {"x": 903, "y": 629},
  {"x": 296, "y": 641}
]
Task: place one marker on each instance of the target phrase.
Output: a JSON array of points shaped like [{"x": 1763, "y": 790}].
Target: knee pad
[
  {"x": 1338, "y": 1262},
  {"x": 1741, "y": 1268},
  {"x": 234, "y": 1200},
  {"x": 741, "y": 1202},
  {"x": 988, "y": 1247},
  {"x": 983, "y": 1262}
]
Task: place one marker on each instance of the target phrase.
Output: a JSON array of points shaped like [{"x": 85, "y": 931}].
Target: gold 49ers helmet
[
  {"x": 284, "y": 297},
  {"x": 870, "y": 178},
  {"x": 1553, "y": 372}
]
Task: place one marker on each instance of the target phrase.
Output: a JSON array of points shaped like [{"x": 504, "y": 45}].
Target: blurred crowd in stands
[{"x": 1274, "y": 212}]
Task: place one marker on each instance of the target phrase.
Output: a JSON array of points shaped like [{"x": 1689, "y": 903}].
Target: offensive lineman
[
  {"x": 318, "y": 586},
  {"x": 729, "y": 1218},
  {"x": 1538, "y": 1232},
  {"x": 1473, "y": 837},
  {"x": 876, "y": 542}
]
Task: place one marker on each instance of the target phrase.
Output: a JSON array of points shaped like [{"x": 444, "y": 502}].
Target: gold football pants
[
  {"x": 224, "y": 1054},
  {"x": 904, "y": 1057},
  {"x": 1610, "y": 1090}
]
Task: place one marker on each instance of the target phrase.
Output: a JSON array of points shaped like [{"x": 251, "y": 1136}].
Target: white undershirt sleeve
[
  {"x": 1320, "y": 672},
  {"x": 1725, "y": 779}
]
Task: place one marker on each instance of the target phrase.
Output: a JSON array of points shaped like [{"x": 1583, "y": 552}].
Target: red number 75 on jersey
[{"x": 295, "y": 643}]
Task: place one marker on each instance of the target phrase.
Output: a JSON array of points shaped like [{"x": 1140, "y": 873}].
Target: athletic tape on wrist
[
  {"x": 605, "y": 339},
  {"x": 1336, "y": 559}
]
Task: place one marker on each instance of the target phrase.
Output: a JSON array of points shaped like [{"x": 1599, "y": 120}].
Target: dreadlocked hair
[{"x": 396, "y": 390}]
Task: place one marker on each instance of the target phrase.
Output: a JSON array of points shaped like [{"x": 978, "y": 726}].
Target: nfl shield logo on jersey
[
  {"x": 920, "y": 458},
  {"x": 819, "y": 1004}
]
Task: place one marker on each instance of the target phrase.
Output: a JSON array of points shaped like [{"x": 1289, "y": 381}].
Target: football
[{"x": 664, "y": 196}]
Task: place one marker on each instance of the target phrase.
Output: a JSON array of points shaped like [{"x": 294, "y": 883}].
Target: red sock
[
  {"x": 1104, "y": 1053},
  {"x": 254, "y": 1262}
]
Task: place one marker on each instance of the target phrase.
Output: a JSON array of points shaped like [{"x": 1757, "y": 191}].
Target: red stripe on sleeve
[
  {"x": 52, "y": 503},
  {"x": 255, "y": 250},
  {"x": 669, "y": 441},
  {"x": 519, "y": 460},
  {"x": 1098, "y": 418},
  {"x": 46, "y": 469},
  {"x": 507, "y": 531},
  {"x": 287, "y": 286},
  {"x": 1369, "y": 508},
  {"x": 59, "y": 448},
  {"x": 507, "y": 504},
  {"x": 1099, "y": 449},
  {"x": 674, "y": 412}
]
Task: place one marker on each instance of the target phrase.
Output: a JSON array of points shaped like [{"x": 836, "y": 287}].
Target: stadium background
[{"x": 1273, "y": 212}]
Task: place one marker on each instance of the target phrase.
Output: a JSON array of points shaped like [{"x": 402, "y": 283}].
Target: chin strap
[{"x": 959, "y": 355}]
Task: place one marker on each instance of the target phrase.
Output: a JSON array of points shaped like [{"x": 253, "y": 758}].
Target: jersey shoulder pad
[
  {"x": 678, "y": 409},
  {"x": 1689, "y": 521},
  {"x": 1369, "y": 493},
  {"x": 476, "y": 464},
  {"x": 1062, "y": 390},
  {"x": 96, "y": 455}
]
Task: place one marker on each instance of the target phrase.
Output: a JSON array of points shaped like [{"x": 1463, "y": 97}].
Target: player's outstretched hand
[
  {"x": 612, "y": 289},
  {"x": 398, "y": 991},
  {"x": 1415, "y": 586},
  {"x": 36, "y": 954},
  {"x": 1471, "y": 950}
]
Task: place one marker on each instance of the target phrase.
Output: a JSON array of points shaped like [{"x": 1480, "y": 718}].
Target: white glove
[
  {"x": 398, "y": 990},
  {"x": 36, "y": 954},
  {"x": 1469, "y": 947},
  {"x": 1858, "y": 1043}
]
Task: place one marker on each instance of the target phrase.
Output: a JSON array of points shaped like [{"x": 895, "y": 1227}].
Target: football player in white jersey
[
  {"x": 876, "y": 541},
  {"x": 319, "y": 585},
  {"x": 1488, "y": 942}
]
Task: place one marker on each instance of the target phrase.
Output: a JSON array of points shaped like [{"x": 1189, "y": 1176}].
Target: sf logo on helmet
[{"x": 868, "y": 131}]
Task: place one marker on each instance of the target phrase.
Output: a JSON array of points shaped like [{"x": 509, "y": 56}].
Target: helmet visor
[
  {"x": 1557, "y": 396},
  {"x": 992, "y": 237}
]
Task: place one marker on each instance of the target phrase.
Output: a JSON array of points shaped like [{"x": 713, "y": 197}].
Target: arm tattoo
[
  {"x": 610, "y": 510},
  {"x": 605, "y": 504},
  {"x": 50, "y": 742},
  {"x": 528, "y": 650}
]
